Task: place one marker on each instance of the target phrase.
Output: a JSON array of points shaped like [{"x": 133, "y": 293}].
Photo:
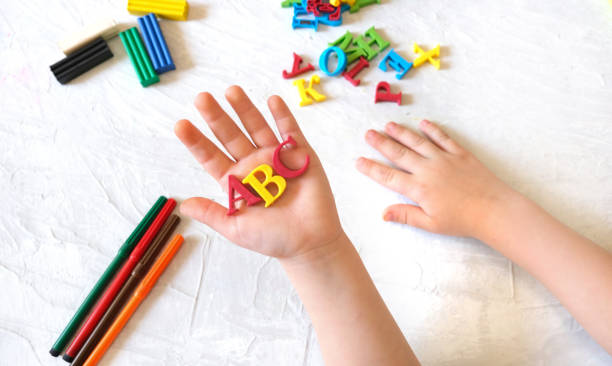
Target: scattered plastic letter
[
  {"x": 306, "y": 93},
  {"x": 430, "y": 56},
  {"x": 369, "y": 39},
  {"x": 397, "y": 62},
  {"x": 296, "y": 70},
  {"x": 324, "y": 60},
  {"x": 383, "y": 94}
]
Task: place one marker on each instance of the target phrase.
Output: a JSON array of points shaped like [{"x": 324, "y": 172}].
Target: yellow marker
[
  {"x": 310, "y": 91},
  {"x": 260, "y": 187},
  {"x": 170, "y": 9},
  {"x": 427, "y": 56}
]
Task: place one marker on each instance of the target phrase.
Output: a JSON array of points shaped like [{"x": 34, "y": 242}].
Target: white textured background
[{"x": 527, "y": 85}]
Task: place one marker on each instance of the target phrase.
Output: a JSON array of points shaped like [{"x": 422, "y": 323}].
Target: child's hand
[
  {"x": 453, "y": 189},
  {"x": 303, "y": 220}
]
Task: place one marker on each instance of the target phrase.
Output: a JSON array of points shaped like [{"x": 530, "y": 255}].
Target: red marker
[{"x": 118, "y": 281}]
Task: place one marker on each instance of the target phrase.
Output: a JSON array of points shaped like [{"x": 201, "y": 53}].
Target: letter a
[{"x": 234, "y": 185}]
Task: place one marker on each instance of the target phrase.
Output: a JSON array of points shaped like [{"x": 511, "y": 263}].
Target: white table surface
[{"x": 526, "y": 85}]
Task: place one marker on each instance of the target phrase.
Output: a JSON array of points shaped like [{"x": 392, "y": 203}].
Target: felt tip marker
[
  {"x": 127, "y": 290},
  {"x": 139, "y": 295},
  {"x": 113, "y": 267},
  {"x": 117, "y": 282}
]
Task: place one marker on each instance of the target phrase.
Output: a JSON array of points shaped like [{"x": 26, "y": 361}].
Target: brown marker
[{"x": 126, "y": 291}]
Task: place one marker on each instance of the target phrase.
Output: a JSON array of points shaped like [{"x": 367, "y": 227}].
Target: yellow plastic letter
[
  {"x": 269, "y": 177},
  {"x": 427, "y": 56},
  {"x": 306, "y": 93}
]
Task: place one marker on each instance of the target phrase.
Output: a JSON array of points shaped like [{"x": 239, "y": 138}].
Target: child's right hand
[{"x": 454, "y": 191}]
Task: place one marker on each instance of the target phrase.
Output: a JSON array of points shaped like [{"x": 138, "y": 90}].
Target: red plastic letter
[
  {"x": 350, "y": 74},
  {"x": 234, "y": 185},
  {"x": 281, "y": 168},
  {"x": 296, "y": 70},
  {"x": 383, "y": 94}
]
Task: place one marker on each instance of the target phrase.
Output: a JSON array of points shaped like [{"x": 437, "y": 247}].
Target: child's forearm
[
  {"x": 353, "y": 325},
  {"x": 576, "y": 270}
]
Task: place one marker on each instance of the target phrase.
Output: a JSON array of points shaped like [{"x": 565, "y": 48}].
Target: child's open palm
[{"x": 303, "y": 219}]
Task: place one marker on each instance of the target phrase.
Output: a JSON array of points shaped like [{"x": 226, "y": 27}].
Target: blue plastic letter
[
  {"x": 324, "y": 59},
  {"x": 398, "y": 63}
]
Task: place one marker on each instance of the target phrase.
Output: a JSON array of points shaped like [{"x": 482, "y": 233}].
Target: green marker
[{"x": 108, "y": 274}]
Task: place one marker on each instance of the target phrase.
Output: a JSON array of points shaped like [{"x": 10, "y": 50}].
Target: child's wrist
[
  {"x": 498, "y": 213},
  {"x": 320, "y": 255}
]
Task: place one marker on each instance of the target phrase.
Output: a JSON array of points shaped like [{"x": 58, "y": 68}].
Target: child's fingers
[
  {"x": 409, "y": 215},
  {"x": 255, "y": 124},
  {"x": 391, "y": 178},
  {"x": 224, "y": 128},
  {"x": 439, "y": 137},
  {"x": 411, "y": 139},
  {"x": 213, "y": 160},
  {"x": 394, "y": 151},
  {"x": 286, "y": 123},
  {"x": 210, "y": 213}
]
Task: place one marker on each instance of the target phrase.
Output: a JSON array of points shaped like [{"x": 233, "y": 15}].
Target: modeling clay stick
[
  {"x": 106, "y": 28},
  {"x": 81, "y": 61},
  {"x": 140, "y": 59},
  {"x": 171, "y": 9},
  {"x": 156, "y": 44}
]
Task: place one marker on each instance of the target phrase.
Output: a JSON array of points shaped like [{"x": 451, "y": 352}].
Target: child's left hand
[{"x": 303, "y": 220}]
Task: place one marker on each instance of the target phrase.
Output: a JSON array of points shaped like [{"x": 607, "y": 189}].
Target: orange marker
[{"x": 140, "y": 293}]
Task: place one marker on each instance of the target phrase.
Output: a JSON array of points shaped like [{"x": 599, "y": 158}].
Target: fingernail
[
  {"x": 370, "y": 134},
  {"x": 425, "y": 122},
  {"x": 388, "y": 216}
]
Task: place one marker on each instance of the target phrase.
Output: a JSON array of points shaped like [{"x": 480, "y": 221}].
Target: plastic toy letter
[
  {"x": 397, "y": 62},
  {"x": 282, "y": 168},
  {"x": 352, "y": 53},
  {"x": 306, "y": 93},
  {"x": 350, "y": 74},
  {"x": 358, "y": 4},
  {"x": 383, "y": 94},
  {"x": 296, "y": 70},
  {"x": 430, "y": 56},
  {"x": 234, "y": 185},
  {"x": 369, "y": 39},
  {"x": 324, "y": 61},
  {"x": 269, "y": 178}
]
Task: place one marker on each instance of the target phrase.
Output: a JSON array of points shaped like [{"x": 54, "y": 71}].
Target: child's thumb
[
  {"x": 409, "y": 215},
  {"x": 210, "y": 213}
]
